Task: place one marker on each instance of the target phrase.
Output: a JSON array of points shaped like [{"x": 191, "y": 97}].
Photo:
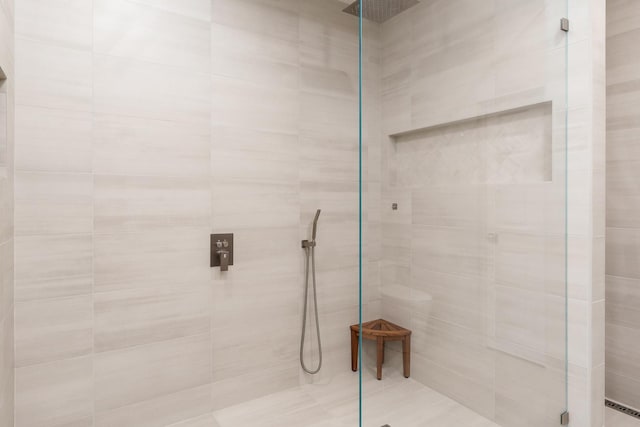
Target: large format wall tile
[
  {"x": 140, "y": 316},
  {"x": 524, "y": 387},
  {"x": 520, "y": 317},
  {"x": 227, "y": 392},
  {"x": 252, "y": 57},
  {"x": 623, "y": 291},
  {"x": 127, "y": 261},
  {"x": 266, "y": 18},
  {"x": 135, "y": 88},
  {"x": 479, "y": 397},
  {"x": 138, "y": 146},
  {"x": 142, "y": 203},
  {"x": 128, "y": 376},
  {"x": 55, "y": 394},
  {"x": 328, "y": 160},
  {"x": 133, "y": 30},
  {"x": 327, "y": 116},
  {"x": 456, "y": 299},
  {"x": 237, "y": 103},
  {"x": 68, "y": 83},
  {"x": 53, "y": 266},
  {"x": 53, "y": 203},
  {"x": 63, "y": 22},
  {"x": 449, "y": 250},
  {"x": 53, "y": 140},
  {"x": 531, "y": 208},
  {"x": 531, "y": 262},
  {"x": 53, "y": 329},
  {"x": 250, "y": 155},
  {"x": 623, "y": 204},
  {"x": 448, "y": 206},
  {"x": 623, "y": 245}
]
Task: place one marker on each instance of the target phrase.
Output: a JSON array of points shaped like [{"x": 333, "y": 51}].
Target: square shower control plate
[{"x": 222, "y": 241}]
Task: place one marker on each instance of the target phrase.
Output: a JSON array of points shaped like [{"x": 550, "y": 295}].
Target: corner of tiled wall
[{"x": 586, "y": 187}]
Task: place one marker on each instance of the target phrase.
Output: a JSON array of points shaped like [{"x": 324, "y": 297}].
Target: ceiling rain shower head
[{"x": 380, "y": 10}]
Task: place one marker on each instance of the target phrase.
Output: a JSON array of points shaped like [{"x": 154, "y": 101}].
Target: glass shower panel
[{"x": 465, "y": 157}]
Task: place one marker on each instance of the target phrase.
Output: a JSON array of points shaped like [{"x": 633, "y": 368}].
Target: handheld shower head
[
  {"x": 315, "y": 225},
  {"x": 310, "y": 271},
  {"x": 311, "y": 243}
]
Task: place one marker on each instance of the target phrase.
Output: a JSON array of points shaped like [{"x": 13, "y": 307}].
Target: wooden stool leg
[
  {"x": 383, "y": 349},
  {"x": 354, "y": 351},
  {"x": 406, "y": 355},
  {"x": 380, "y": 356}
]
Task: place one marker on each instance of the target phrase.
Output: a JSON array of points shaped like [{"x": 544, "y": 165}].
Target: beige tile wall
[
  {"x": 155, "y": 124},
  {"x": 54, "y": 212},
  {"x": 7, "y": 113},
  {"x": 623, "y": 278},
  {"x": 171, "y": 120}
]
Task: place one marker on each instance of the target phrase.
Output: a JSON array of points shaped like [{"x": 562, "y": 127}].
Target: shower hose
[{"x": 310, "y": 258}]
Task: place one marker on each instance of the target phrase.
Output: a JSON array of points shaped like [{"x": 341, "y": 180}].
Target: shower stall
[{"x": 434, "y": 137}]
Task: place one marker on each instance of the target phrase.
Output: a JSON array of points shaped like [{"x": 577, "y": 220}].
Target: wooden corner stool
[{"x": 381, "y": 331}]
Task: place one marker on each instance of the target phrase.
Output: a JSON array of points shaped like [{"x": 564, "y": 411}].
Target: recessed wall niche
[{"x": 507, "y": 147}]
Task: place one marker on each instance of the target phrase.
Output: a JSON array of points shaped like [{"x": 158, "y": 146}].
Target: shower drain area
[{"x": 621, "y": 408}]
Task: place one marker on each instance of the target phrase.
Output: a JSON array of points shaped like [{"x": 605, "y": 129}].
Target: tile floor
[
  {"x": 617, "y": 419},
  {"x": 395, "y": 401}
]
